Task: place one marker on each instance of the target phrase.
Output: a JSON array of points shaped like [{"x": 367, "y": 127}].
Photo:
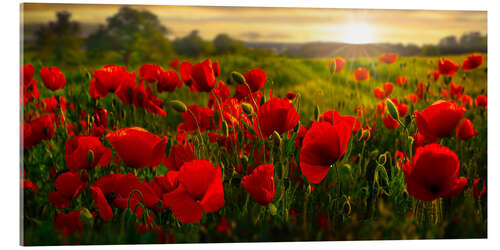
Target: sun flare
[{"x": 358, "y": 33}]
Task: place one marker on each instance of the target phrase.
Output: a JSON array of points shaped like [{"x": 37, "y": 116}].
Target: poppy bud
[
  {"x": 247, "y": 108},
  {"x": 407, "y": 120},
  {"x": 90, "y": 156},
  {"x": 238, "y": 77},
  {"x": 316, "y": 113},
  {"x": 382, "y": 159},
  {"x": 178, "y": 106},
  {"x": 391, "y": 107},
  {"x": 365, "y": 134},
  {"x": 86, "y": 218},
  {"x": 276, "y": 139},
  {"x": 333, "y": 66}
]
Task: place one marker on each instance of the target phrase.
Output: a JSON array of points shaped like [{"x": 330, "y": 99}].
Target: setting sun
[{"x": 358, "y": 33}]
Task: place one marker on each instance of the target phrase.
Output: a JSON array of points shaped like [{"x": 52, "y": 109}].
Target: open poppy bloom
[
  {"x": 439, "y": 119},
  {"x": 203, "y": 76},
  {"x": 86, "y": 152},
  {"x": 388, "y": 87},
  {"x": 150, "y": 72},
  {"x": 401, "y": 80},
  {"x": 456, "y": 91},
  {"x": 52, "y": 78},
  {"x": 200, "y": 189},
  {"x": 466, "y": 100},
  {"x": 108, "y": 79},
  {"x": 204, "y": 118},
  {"x": 100, "y": 121},
  {"x": 361, "y": 74},
  {"x": 421, "y": 140},
  {"x": 333, "y": 116},
  {"x": 300, "y": 136},
  {"x": 39, "y": 129},
  {"x": 255, "y": 78},
  {"x": 433, "y": 173},
  {"x": 388, "y": 58},
  {"x": 278, "y": 115},
  {"x": 137, "y": 147},
  {"x": 68, "y": 187},
  {"x": 174, "y": 64},
  {"x": 323, "y": 144},
  {"x": 168, "y": 81},
  {"x": 466, "y": 130},
  {"x": 390, "y": 123},
  {"x": 473, "y": 61},
  {"x": 336, "y": 64},
  {"x": 447, "y": 67},
  {"x": 30, "y": 90},
  {"x": 144, "y": 98},
  {"x": 260, "y": 184},
  {"x": 379, "y": 93},
  {"x": 179, "y": 154},
  {"x": 435, "y": 75},
  {"x": 222, "y": 92},
  {"x": 481, "y": 101}
]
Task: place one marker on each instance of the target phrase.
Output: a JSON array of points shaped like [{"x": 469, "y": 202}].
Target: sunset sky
[{"x": 287, "y": 24}]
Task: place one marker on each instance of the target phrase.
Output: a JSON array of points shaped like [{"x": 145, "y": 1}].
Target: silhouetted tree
[
  {"x": 191, "y": 45},
  {"x": 60, "y": 40},
  {"x": 130, "y": 31},
  {"x": 223, "y": 44}
]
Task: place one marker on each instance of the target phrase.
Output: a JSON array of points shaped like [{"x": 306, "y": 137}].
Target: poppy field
[{"x": 237, "y": 148}]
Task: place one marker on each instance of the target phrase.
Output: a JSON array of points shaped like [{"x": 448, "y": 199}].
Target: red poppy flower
[
  {"x": 456, "y": 91},
  {"x": 179, "y": 154},
  {"x": 100, "y": 124},
  {"x": 165, "y": 183},
  {"x": 186, "y": 69},
  {"x": 390, "y": 123},
  {"x": 388, "y": 58},
  {"x": 222, "y": 92},
  {"x": 105, "y": 210},
  {"x": 137, "y": 147},
  {"x": 333, "y": 116},
  {"x": 168, "y": 81},
  {"x": 200, "y": 189},
  {"x": 153, "y": 105},
  {"x": 216, "y": 67},
  {"x": 439, "y": 119},
  {"x": 475, "y": 190},
  {"x": 255, "y": 78},
  {"x": 290, "y": 95},
  {"x": 361, "y": 74},
  {"x": 444, "y": 94},
  {"x": 401, "y": 81},
  {"x": 481, "y": 101},
  {"x": 473, "y": 61},
  {"x": 466, "y": 100},
  {"x": 69, "y": 223},
  {"x": 68, "y": 187},
  {"x": 322, "y": 146},
  {"x": 388, "y": 87},
  {"x": 466, "y": 130},
  {"x": 421, "y": 140},
  {"x": 278, "y": 115},
  {"x": 150, "y": 72},
  {"x": 380, "y": 109},
  {"x": 435, "y": 75},
  {"x": 447, "y": 67},
  {"x": 30, "y": 90},
  {"x": 260, "y": 184},
  {"x": 26, "y": 184},
  {"x": 402, "y": 109},
  {"x": 412, "y": 98},
  {"x": 203, "y": 76},
  {"x": 379, "y": 93},
  {"x": 174, "y": 63},
  {"x": 86, "y": 152},
  {"x": 222, "y": 226},
  {"x": 37, "y": 130},
  {"x": 52, "y": 78},
  {"x": 433, "y": 173},
  {"x": 339, "y": 64},
  {"x": 108, "y": 79},
  {"x": 204, "y": 118},
  {"x": 125, "y": 92}
]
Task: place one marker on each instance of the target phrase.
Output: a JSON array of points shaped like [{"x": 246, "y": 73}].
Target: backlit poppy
[
  {"x": 52, "y": 78},
  {"x": 255, "y": 78},
  {"x": 361, "y": 74},
  {"x": 137, "y": 147},
  {"x": 278, "y": 115},
  {"x": 388, "y": 58},
  {"x": 323, "y": 144},
  {"x": 401, "y": 80},
  {"x": 150, "y": 72},
  {"x": 390, "y": 123},
  {"x": 433, "y": 173},
  {"x": 260, "y": 184},
  {"x": 108, "y": 79},
  {"x": 466, "y": 130},
  {"x": 439, "y": 119},
  {"x": 473, "y": 61},
  {"x": 388, "y": 87},
  {"x": 168, "y": 81},
  {"x": 200, "y": 189},
  {"x": 336, "y": 64},
  {"x": 203, "y": 76},
  {"x": 379, "y": 93},
  {"x": 447, "y": 67}
]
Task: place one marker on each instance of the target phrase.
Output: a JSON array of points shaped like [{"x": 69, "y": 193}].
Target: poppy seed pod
[
  {"x": 178, "y": 106},
  {"x": 238, "y": 77}
]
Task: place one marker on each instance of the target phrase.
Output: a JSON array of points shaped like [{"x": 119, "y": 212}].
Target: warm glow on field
[{"x": 358, "y": 33}]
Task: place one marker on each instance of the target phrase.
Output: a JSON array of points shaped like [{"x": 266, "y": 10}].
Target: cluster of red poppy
[{"x": 247, "y": 125}]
